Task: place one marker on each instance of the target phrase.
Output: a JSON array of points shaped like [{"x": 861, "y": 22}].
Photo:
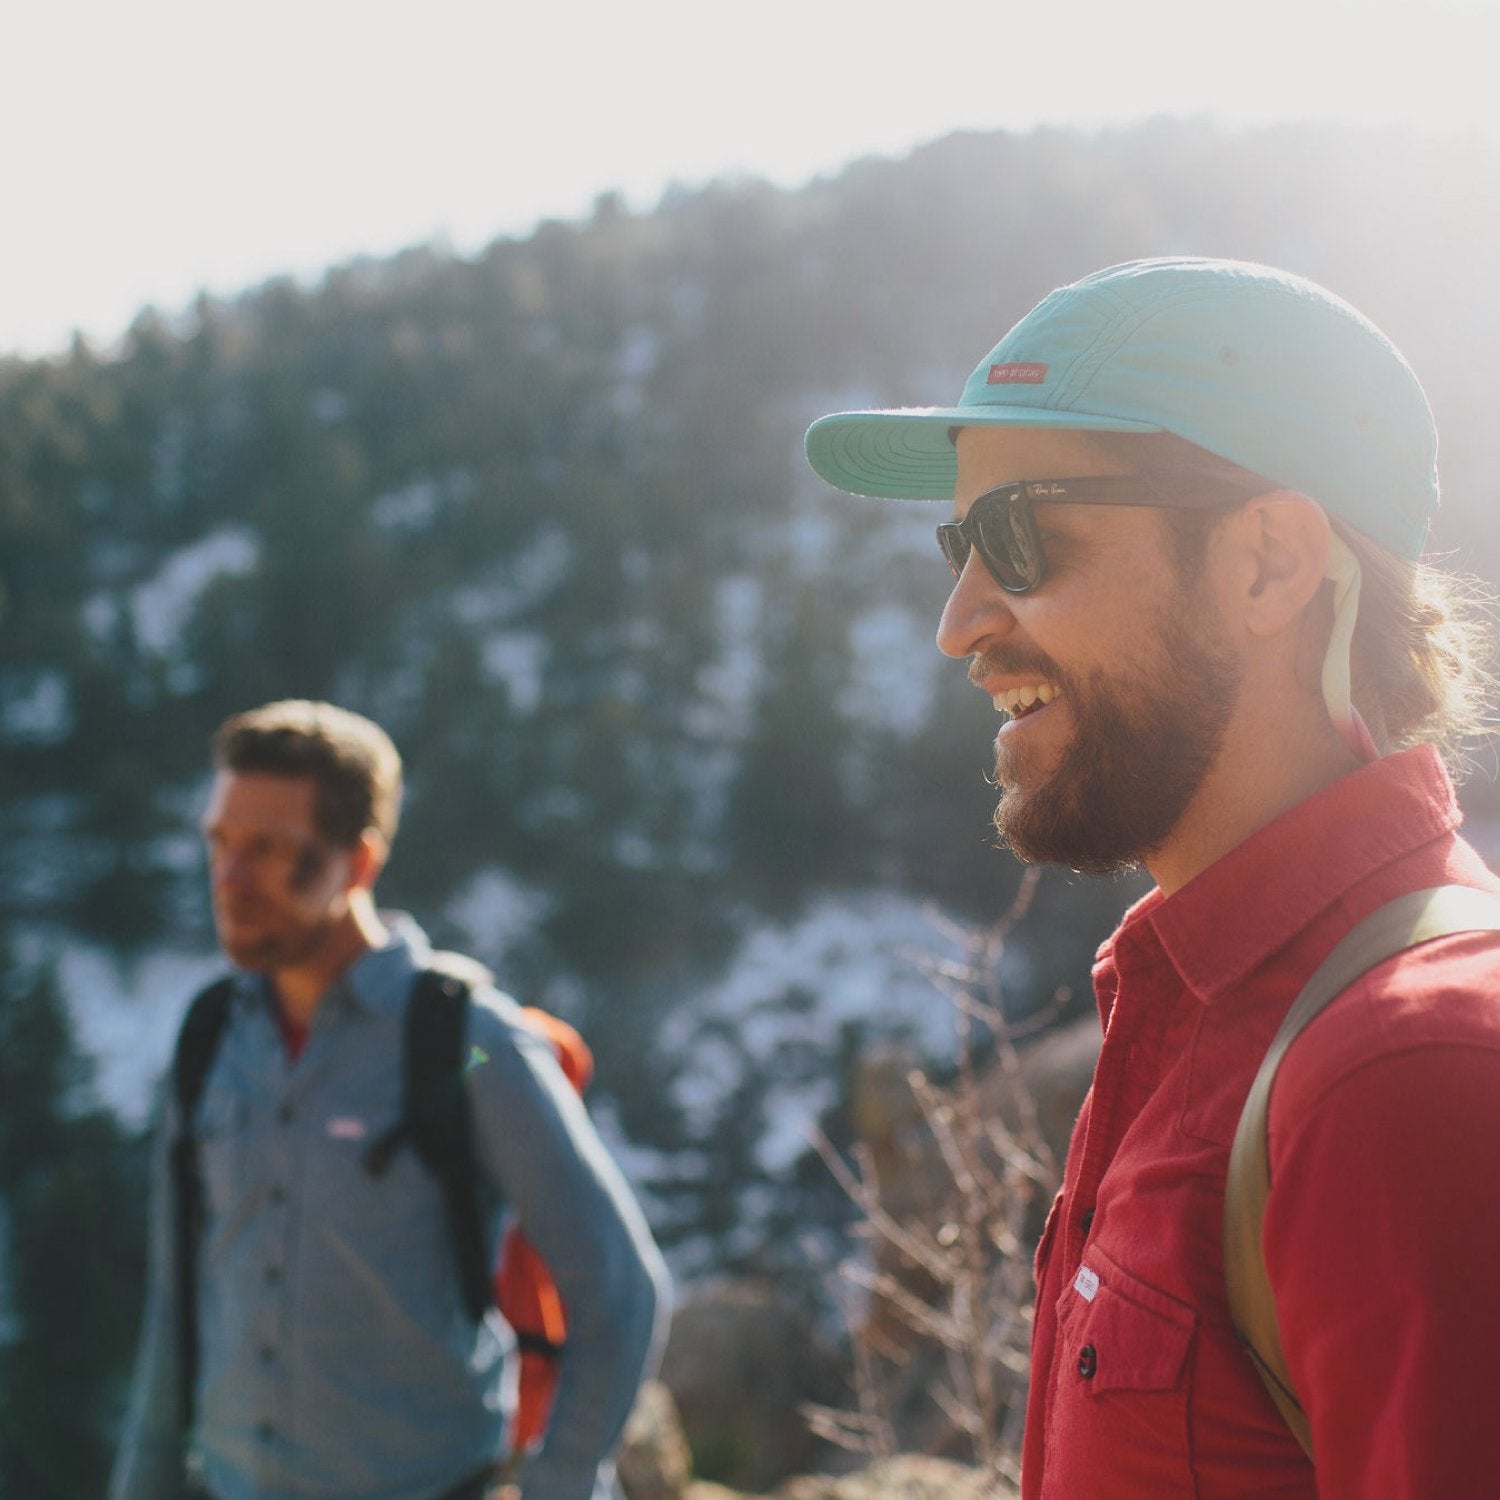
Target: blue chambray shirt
[{"x": 337, "y": 1360}]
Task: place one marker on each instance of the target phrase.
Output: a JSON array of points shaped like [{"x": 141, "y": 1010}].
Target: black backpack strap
[
  {"x": 197, "y": 1044},
  {"x": 435, "y": 1121}
]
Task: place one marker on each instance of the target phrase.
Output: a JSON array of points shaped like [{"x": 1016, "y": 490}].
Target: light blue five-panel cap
[{"x": 1258, "y": 366}]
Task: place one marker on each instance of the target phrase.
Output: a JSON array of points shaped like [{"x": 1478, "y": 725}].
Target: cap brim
[{"x": 907, "y": 453}]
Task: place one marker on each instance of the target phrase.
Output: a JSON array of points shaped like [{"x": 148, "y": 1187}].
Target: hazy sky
[{"x": 157, "y": 147}]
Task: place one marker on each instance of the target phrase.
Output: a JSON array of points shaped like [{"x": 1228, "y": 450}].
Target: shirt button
[
  {"x": 1088, "y": 1361},
  {"x": 285, "y": 1114},
  {"x": 265, "y": 1431},
  {"x": 1087, "y": 1220},
  {"x": 278, "y": 1194},
  {"x": 273, "y": 1275},
  {"x": 267, "y": 1354}
]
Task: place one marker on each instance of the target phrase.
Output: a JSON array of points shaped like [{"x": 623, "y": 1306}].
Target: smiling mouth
[{"x": 1018, "y": 702}]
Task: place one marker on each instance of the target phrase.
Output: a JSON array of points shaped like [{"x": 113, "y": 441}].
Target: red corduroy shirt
[{"x": 1383, "y": 1228}]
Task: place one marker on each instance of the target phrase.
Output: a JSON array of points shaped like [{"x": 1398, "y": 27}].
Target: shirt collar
[
  {"x": 1262, "y": 893},
  {"x": 381, "y": 979},
  {"x": 378, "y": 980}
]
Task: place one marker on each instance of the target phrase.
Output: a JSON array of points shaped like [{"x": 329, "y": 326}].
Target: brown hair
[
  {"x": 1423, "y": 639},
  {"x": 1423, "y": 644},
  {"x": 354, "y": 767}
]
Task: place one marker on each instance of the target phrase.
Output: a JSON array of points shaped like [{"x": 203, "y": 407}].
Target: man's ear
[
  {"x": 1278, "y": 551},
  {"x": 367, "y": 859}
]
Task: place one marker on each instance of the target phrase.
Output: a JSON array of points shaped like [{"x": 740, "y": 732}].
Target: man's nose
[
  {"x": 231, "y": 869},
  {"x": 978, "y": 610}
]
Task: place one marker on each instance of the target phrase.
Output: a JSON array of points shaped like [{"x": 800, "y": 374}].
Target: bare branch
[{"x": 946, "y": 1306}]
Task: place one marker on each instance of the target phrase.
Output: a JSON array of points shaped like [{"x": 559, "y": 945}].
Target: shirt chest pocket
[
  {"x": 221, "y": 1131},
  {"x": 1120, "y": 1384},
  {"x": 1129, "y": 1336}
]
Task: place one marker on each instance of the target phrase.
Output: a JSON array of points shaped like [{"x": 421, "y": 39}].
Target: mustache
[{"x": 1013, "y": 661}]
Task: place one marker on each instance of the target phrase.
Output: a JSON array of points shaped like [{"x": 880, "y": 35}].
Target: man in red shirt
[{"x": 1191, "y": 498}]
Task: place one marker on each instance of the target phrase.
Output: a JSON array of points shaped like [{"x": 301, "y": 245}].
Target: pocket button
[{"x": 1088, "y": 1361}]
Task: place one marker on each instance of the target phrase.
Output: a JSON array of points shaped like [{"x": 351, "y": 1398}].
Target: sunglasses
[{"x": 1001, "y": 524}]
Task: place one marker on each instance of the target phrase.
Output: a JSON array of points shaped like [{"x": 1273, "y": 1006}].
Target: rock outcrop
[
  {"x": 653, "y": 1466},
  {"x": 740, "y": 1362}
]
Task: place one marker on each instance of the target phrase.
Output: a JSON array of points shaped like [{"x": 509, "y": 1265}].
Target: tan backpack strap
[{"x": 1414, "y": 918}]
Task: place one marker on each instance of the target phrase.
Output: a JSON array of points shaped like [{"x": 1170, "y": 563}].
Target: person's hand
[{"x": 503, "y": 1485}]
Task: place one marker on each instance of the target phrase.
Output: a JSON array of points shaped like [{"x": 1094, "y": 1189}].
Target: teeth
[{"x": 1018, "y": 700}]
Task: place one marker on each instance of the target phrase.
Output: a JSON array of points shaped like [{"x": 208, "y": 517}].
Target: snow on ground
[
  {"x": 788, "y": 991},
  {"x": 495, "y": 910},
  {"x": 413, "y": 508},
  {"x": 518, "y": 581},
  {"x": 729, "y": 685},
  {"x": 125, "y": 1014},
  {"x": 518, "y": 660},
  {"x": 36, "y": 707},
  {"x": 901, "y": 700},
  {"x": 162, "y": 605}
]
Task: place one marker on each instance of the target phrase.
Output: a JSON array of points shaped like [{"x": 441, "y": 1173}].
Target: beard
[
  {"x": 1141, "y": 748},
  {"x": 275, "y": 941}
]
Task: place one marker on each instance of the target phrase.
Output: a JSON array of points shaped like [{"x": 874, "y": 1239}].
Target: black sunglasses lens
[
  {"x": 955, "y": 545},
  {"x": 1005, "y": 534},
  {"x": 1001, "y": 526}
]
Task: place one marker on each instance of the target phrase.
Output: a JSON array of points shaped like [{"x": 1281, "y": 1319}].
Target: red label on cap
[{"x": 1017, "y": 374}]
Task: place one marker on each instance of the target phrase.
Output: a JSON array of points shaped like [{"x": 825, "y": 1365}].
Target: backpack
[
  {"x": 435, "y": 1122},
  {"x": 524, "y": 1290},
  {"x": 1417, "y": 917}
]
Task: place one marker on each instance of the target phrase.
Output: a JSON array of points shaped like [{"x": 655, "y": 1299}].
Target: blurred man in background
[
  {"x": 1190, "y": 502},
  {"x": 313, "y": 1327}
]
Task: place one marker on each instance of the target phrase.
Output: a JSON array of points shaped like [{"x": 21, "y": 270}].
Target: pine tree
[{"x": 72, "y": 1231}]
